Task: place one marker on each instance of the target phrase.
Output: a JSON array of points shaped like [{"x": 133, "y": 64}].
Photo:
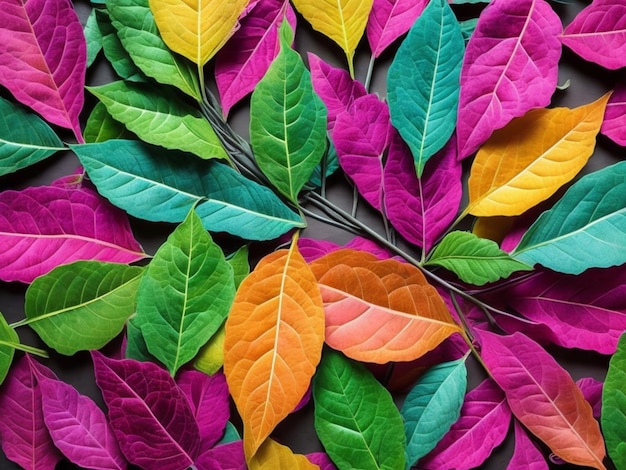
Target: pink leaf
[
  {"x": 390, "y": 19},
  {"x": 24, "y": 437},
  {"x": 245, "y": 58},
  {"x": 43, "y": 227},
  {"x": 510, "y": 66},
  {"x": 598, "y": 33},
  {"x": 151, "y": 417},
  {"x": 592, "y": 391},
  {"x": 312, "y": 249},
  {"x": 526, "y": 455},
  {"x": 364, "y": 244},
  {"x": 422, "y": 209},
  {"x": 614, "y": 124},
  {"x": 322, "y": 460},
  {"x": 482, "y": 426},
  {"x": 223, "y": 457},
  {"x": 43, "y": 58},
  {"x": 360, "y": 136}
]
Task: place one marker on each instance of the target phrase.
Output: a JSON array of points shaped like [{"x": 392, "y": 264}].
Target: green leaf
[
  {"x": 468, "y": 27},
  {"x": 136, "y": 347},
  {"x": 82, "y": 305},
  {"x": 185, "y": 294},
  {"x": 93, "y": 36},
  {"x": 24, "y": 138},
  {"x": 101, "y": 126},
  {"x": 475, "y": 260},
  {"x": 432, "y": 407},
  {"x": 240, "y": 263},
  {"x": 8, "y": 341},
  {"x": 355, "y": 417},
  {"x": 139, "y": 35},
  {"x": 161, "y": 185},
  {"x": 160, "y": 118},
  {"x": 210, "y": 358},
  {"x": 287, "y": 121},
  {"x": 423, "y": 82},
  {"x": 584, "y": 229},
  {"x": 613, "y": 416}
]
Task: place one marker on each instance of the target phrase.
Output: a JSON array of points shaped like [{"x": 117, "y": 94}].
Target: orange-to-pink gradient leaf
[{"x": 380, "y": 310}]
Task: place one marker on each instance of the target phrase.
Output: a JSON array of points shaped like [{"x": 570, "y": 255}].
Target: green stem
[{"x": 28, "y": 349}]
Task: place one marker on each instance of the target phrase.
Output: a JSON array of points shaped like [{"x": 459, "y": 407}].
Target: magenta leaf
[
  {"x": 390, "y": 19},
  {"x": 510, "y": 66},
  {"x": 614, "y": 124},
  {"x": 360, "y": 136},
  {"x": 43, "y": 58},
  {"x": 598, "y": 34},
  {"x": 483, "y": 425},
  {"x": 526, "y": 454},
  {"x": 312, "y": 249},
  {"x": 43, "y": 227},
  {"x": 23, "y": 434},
  {"x": 422, "y": 209},
  {"x": 150, "y": 415},
  {"x": 228, "y": 456},
  {"x": 247, "y": 55},
  {"x": 592, "y": 391},
  {"x": 322, "y": 460}
]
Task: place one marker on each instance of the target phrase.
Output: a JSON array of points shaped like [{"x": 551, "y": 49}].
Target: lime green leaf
[
  {"x": 355, "y": 417},
  {"x": 240, "y": 264},
  {"x": 8, "y": 341},
  {"x": 287, "y": 121},
  {"x": 93, "y": 36},
  {"x": 82, "y": 305},
  {"x": 101, "y": 126},
  {"x": 135, "y": 344},
  {"x": 613, "y": 415},
  {"x": 475, "y": 260}
]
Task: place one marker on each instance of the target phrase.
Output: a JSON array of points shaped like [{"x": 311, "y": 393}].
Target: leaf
[
  {"x": 322, "y": 460},
  {"x": 613, "y": 409},
  {"x": 151, "y": 417},
  {"x": 287, "y": 121},
  {"x": 355, "y": 417},
  {"x": 379, "y": 310},
  {"x": 475, "y": 260},
  {"x": 160, "y": 185},
  {"x": 592, "y": 391},
  {"x": 544, "y": 149},
  {"x": 224, "y": 457},
  {"x": 342, "y": 21},
  {"x": 423, "y": 79},
  {"x": 431, "y": 407},
  {"x": 8, "y": 341},
  {"x": 93, "y": 37},
  {"x": 271, "y": 454},
  {"x": 510, "y": 67},
  {"x": 184, "y": 295},
  {"x": 70, "y": 224},
  {"x": 157, "y": 117},
  {"x": 483, "y": 425},
  {"x": 526, "y": 454},
  {"x": 598, "y": 34},
  {"x": 78, "y": 427},
  {"x": 274, "y": 338},
  {"x": 390, "y": 19},
  {"x": 421, "y": 209},
  {"x": 584, "y": 228},
  {"x": 101, "y": 126},
  {"x": 140, "y": 37},
  {"x": 43, "y": 58},
  {"x": 24, "y": 438},
  {"x": 196, "y": 30},
  {"x": 613, "y": 124},
  {"x": 543, "y": 396}
]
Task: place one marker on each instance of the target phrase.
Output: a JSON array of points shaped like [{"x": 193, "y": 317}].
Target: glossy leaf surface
[
  {"x": 390, "y": 19},
  {"x": 271, "y": 454},
  {"x": 613, "y": 409}
]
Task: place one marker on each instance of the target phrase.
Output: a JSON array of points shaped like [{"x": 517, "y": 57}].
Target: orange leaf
[
  {"x": 380, "y": 310},
  {"x": 273, "y": 343},
  {"x": 272, "y": 455}
]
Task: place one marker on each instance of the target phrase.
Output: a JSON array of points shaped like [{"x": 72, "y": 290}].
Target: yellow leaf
[
  {"x": 493, "y": 228},
  {"x": 274, "y": 339},
  {"x": 343, "y": 21},
  {"x": 527, "y": 161},
  {"x": 274, "y": 456},
  {"x": 211, "y": 356}
]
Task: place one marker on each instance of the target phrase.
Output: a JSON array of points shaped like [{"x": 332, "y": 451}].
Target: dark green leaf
[{"x": 613, "y": 416}]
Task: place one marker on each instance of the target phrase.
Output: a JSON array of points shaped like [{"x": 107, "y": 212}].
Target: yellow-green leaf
[{"x": 272, "y": 456}]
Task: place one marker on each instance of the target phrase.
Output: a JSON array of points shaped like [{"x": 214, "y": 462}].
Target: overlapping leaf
[
  {"x": 390, "y": 19},
  {"x": 101, "y": 126},
  {"x": 93, "y": 37},
  {"x": 613, "y": 409},
  {"x": 271, "y": 454},
  {"x": 8, "y": 341},
  {"x": 614, "y": 123},
  {"x": 526, "y": 454}
]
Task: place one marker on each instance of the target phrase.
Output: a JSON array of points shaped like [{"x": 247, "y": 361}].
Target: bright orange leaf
[
  {"x": 273, "y": 343},
  {"x": 380, "y": 310},
  {"x": 272, "y": 455}
]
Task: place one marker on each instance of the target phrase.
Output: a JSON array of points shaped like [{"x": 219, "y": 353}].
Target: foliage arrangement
[{"x": 308, "y": 323}]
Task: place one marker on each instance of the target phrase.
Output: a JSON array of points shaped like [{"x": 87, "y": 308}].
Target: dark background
[{"x": 587, "y": 83}]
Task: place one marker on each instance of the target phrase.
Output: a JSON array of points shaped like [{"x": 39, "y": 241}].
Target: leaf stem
[
  {"x": 370, "y": 71},
  {"x": 28, "y": 349}
]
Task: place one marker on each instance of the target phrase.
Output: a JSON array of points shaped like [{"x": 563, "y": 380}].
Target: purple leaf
[
  {"x": 335, "y": 87},
  {"x": 312, "y": 249},
  {"x": 150, "y": 415},
  {"x": 365, "y": 244},
  {"x": 23, "y": 435},
  {"x": 614, "y": 124},
  {"x": 43, "y": 227},
  {"x": 247, "y": 55},
  {"x": 483, "y": 425},
  {"x": 390, "y": 19},
  {"x": 322, "y": 460},
  {"x": 510, "y": 66},
  {"x": 598, "y": 33},
  {"x": 422, "y": 209},
  {"x": 592, "y": 391},
  {"x": 223, "y": 457},
  {"x": 526, "y": 455},
  {"x": 78, "y": 427},
  {"x": 43, "y": 58},
  {"x": 360, "y": 136},
  {"x": 208, "y": 397}
]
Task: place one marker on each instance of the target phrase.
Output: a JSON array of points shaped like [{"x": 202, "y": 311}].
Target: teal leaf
[
  {"x": 613, "y": 416},
  {"x": 423, "y": 82},
  {"x": 432, "y": 407},
  {"x": 8, "y": 341},
  {"x": 184, "y": 295},
  {"x": 101, "y": 126},
  {"x": 160, "y": 118},
  {"x": 468, "y": 27},
  {"x": 25, "y": 138},
  {"x": 584, "y": 229},
  {"x": 327, "y": 167},
  {"x": 475, "y": 260},
  {"x": 355, "y": 416},
  {"x": 93, "y": 36},
  {"x": 287, "y": 121},
  {"x": 81, "y": 305}
]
